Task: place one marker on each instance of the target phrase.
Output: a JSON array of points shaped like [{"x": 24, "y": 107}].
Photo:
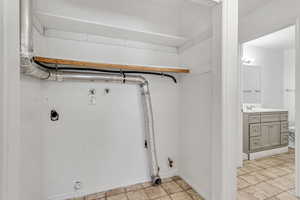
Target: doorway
[{"x": 267, "y": 134}]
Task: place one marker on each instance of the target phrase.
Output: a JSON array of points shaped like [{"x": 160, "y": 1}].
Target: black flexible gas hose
[{"x": 104, "y": 70}]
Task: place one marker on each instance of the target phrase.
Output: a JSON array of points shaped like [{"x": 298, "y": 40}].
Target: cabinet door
[
  {"x": 275, "y": 134},
  {"x": 251, "y": 84},
  {"x": 255, "y": 130},
  {"x": 265, "y": 139}
]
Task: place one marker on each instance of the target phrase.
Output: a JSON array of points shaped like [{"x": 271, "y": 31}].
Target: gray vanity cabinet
[
  {"x": 272, "y": 133},
  {"x": 264, "y": 131}
]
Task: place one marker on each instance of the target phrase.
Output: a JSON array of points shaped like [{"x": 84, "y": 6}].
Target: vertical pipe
[
  {"x": 26, "y": 42},
  {"x": 26, "y": 28},
  {"x": 150, "y": 137}
]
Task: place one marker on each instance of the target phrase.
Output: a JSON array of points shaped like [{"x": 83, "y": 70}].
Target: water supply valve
[{"x": 54, "y": 116}]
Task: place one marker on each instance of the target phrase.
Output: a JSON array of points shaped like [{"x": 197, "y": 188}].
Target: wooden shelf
[{"x": 83, "y": 64}]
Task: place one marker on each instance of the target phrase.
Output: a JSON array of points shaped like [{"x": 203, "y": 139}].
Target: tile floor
[
  {"x": 173, "y": 188},
  {"x": 270, "y": 178}
]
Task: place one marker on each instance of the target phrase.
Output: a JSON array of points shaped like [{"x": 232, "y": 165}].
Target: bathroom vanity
[{"x": 264, "y": 129}]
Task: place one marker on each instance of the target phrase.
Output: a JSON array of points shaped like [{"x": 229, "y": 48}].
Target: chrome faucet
[{"x": 250, "y": 107}]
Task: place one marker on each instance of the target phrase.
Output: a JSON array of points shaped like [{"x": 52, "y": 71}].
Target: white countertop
[{"x": 262, "y": 110}]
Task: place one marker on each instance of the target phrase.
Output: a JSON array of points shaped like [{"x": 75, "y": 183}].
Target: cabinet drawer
[
  {"x": 284, "y": 117},
  {"x": 270, "y": 118},
  {"x": 253, "y": 119},
  {"x": 284, "y": 127},
  {"x": 255, "y": 143},
  {"x": 255, "y": 130},
  {"x": 284, "y": 139}
]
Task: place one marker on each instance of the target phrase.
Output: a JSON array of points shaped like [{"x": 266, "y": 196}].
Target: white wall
[
  {"x": 269, "y": 18},
  {"x": 271, "y": 63},
  {"x": 10, "y": 108},
  {"x": 289, "y": 83},
  {"x": 102, "y": 145},
  {"x": 31, "y": 139},
  {"x": 110, "y": 52},
  {"x": 196, "y": 110},
  {"x": 1, "y": 96}
]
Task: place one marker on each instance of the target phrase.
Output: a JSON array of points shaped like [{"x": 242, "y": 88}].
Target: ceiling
[
  {"x": 283, "y": 39},
  {"x": 248, "y": 6}
]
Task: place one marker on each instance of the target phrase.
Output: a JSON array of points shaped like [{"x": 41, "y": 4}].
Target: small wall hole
[
  {"x": 54, "y": 116},
  {"x": 171, "y": 163},
  {"x": 107, "y": 90}
]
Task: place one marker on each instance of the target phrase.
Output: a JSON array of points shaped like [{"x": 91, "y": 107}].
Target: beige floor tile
[
  {"x": 164, "y": 198},
  {"x": 251, "y": 168},
  {"x": 262, "y": 191},
  {"x": 242, "y": 183},
  {"x": 155, "y": 192},
  {"x": 165, "y": 180},
  {"x": 171, "y": 187},
  {"x": 174, "y": 186},
  {"x": 272, "y": 172},
  {"x": 286, "y": 168},
  {"x": 181, "y": 196},
  {"x": 290, "y": 166},
  {"x": 175, "y": 178},
  {"x": 284, "y": 183},
  {"x": 273, "y": 161},
  {"x": 194, "y": 194},
  {"x": 267, "y": 162},
  {"x": 285, "y": 196},
  {"x": 240, "y": 172},
  {"x": 274, "y": 176},
  {"x": 134, "y": 187},
  {"x": 115, "y": 191},
  {"x": 253, "y": 178},
  {"x": 137, "y": 195},
  {"x": 146, "y": 184},
  {"x": 118, "y": 197},
  {"x": 95, "y": 196},
  {"x": 184, "y": 185},
  {"x": 241, "y": 195}
]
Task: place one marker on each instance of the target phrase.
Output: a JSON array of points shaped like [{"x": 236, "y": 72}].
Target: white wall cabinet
[{"x": 251, "y": 84}]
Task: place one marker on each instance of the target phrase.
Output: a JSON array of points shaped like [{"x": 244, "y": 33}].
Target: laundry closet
[{"x": 85, "y": 114}]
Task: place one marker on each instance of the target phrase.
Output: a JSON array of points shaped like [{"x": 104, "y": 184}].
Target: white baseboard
[
  {"x": 85, "y": 192},
  {"x": 245, "y": 156},
  {"x": 267, "y": 153}
]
